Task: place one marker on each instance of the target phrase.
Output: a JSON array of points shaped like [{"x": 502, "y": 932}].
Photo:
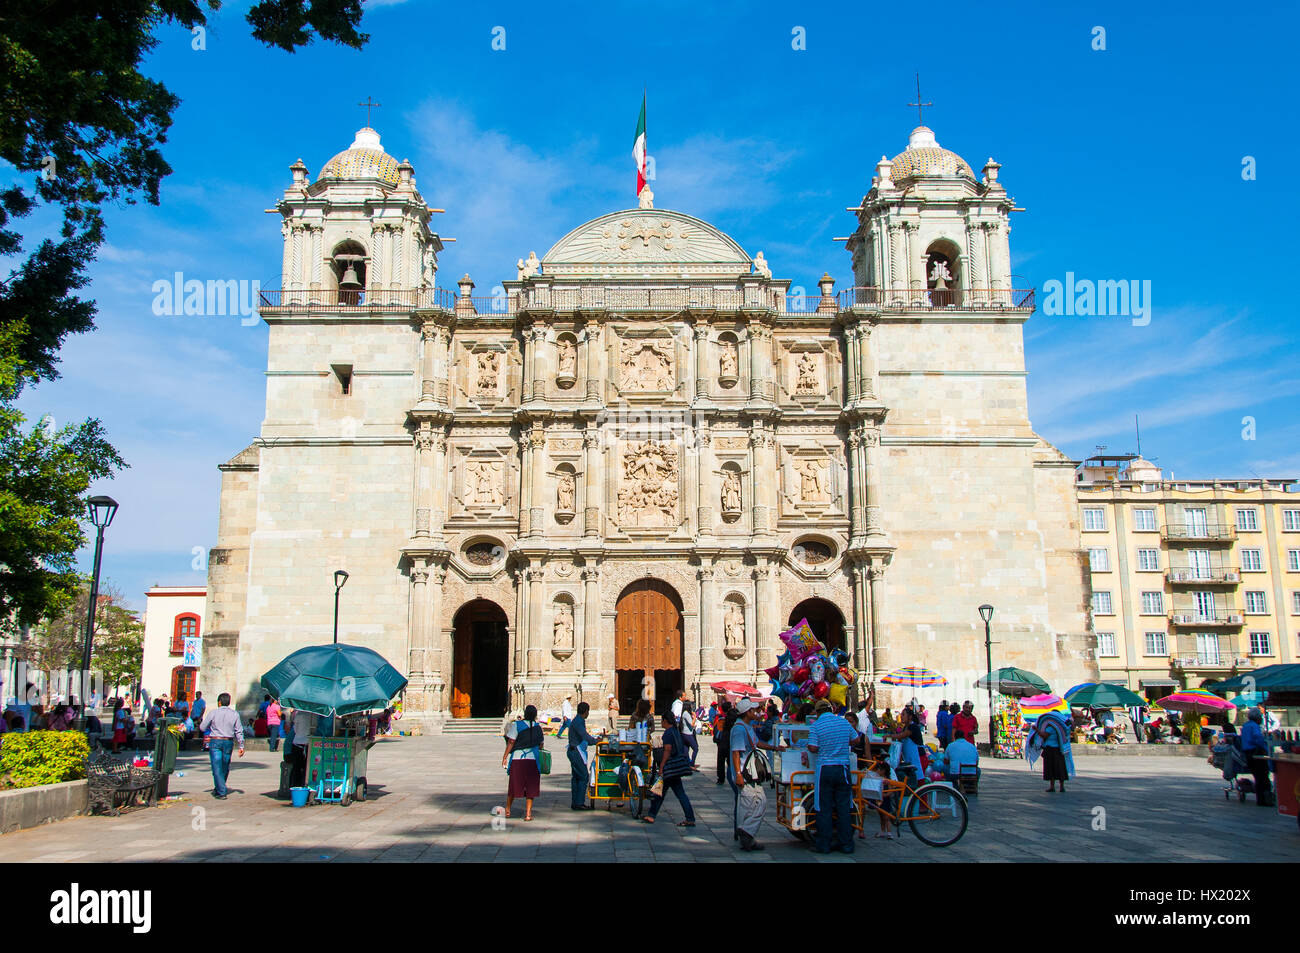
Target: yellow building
[{"x": 1192, "y": 581}]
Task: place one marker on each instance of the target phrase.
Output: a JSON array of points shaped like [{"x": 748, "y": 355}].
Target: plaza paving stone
[{"x": 431, "y": 801}]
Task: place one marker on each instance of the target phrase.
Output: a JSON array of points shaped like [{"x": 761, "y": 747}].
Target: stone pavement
[{"x": 432, "y": 797}]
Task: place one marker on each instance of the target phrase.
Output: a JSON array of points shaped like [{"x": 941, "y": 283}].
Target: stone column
[
  {"x": 702, "y": 374},
  {"x": 897, "y": 274},
  {"x": 438, "y": 483},
  {"x": 438, "y": 660},
  {"x": 442, "y": 366},
  {"x": 852, "y": 356},
  {"x": 879, "y": 658},
  {"x": 708, "y": 603},
  {"x": 418, "y": 640},
  {"x": 397, "y": 259},
  {"x": 866, "y": 362},
  {"x": 971, "y": 277},
  {"x": 423, "y": 477},
  {"x": 909, "y": 249},
  {"x": 537, "y": 506},
  {"x": 756, "y": 361},
  {"x": 530, "y": 356},
  {"x": 593, "y": 360},
  {"x": 525, "y": 485},
  {"x": 540, "y": 363},
  {"x": 861, "y": 624},
  {"x": 763, "y": 462},
  {"x": 707, "y": 465},
  {"x": 317, "y": 255},
  {"x": 521, "y": 623},
  {"x": 296, "y": 258},
  {"x": 429, "y": 336},
  {"x": 764, "y": 613},
  {"x": 857, "y": 491},
  {"x": 536, "y": 642},
  {"x": 591, "y": 501},
  {"x": 286, "y": 266},
  {"x": 871, "y": 451},
  {"x": 590, "y": 655}
]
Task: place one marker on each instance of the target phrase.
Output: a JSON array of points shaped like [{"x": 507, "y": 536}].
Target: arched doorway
[
  {"x": 480, "y": 653},
  {"x": 648, "y": 649},
  {"x": 824, "y": 619}
]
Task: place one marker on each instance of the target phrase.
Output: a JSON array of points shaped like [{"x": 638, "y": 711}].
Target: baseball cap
[{"x": 746, "y": 704}]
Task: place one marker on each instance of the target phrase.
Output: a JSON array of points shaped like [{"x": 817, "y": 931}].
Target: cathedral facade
[{"x": 632, "y": 466}]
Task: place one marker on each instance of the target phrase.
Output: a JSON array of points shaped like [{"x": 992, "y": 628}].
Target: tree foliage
[{"x": 56, "y": 644}]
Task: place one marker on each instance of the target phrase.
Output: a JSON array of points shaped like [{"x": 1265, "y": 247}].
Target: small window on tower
[{"x": 344, "y": 374}]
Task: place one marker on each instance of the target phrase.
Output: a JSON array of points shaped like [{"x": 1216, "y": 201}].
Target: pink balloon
[{"x": 821, "y": 689}]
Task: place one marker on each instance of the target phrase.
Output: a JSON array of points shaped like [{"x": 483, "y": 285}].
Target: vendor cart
[
  {"x": 1286, "y": 783},
  {"x": 624, "y": 771},
  {"x": 336, "y": 765}
]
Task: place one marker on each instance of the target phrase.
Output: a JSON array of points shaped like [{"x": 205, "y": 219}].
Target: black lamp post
[
  {"x": 986, "y": 613},
  {"x": 340, "y": 577},
  {"x": 101, "y": 509}
]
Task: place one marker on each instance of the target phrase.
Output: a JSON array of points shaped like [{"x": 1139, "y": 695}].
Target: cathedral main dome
[
  {"x": 364, "y": 159},
  {"x": 924, "y": 156}
]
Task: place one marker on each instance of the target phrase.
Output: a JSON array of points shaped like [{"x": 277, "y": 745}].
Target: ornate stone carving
[
  {"x": 487, "y": 381},
  {"x": 733, "y": 630},
  {"x": 483, "y": 484},
  {"x": 647, "y": 364},
  {"x": 731, "y": 443},
  {"x": 806, "y": 380},
  {"x": 566, "y": 357},
  {"x": 562, "y": 644},
  {"x": 761, "y": 267},
  {"x": 812, "y": 481},
  {"x": 649, "y": 494},
  {"x": 529, "y": 268},
  {"x": 565, "y": 490},
  {"x": 483, "y": 554},
  {"x": 730, "y": 491},
  {"x": 812, "y": 552},
  {"x": 728, "y": 361}
]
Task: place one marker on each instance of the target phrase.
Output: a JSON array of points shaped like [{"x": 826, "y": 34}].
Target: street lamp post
[
  {"x": 986, "y": 613},
  {"x": 102, "y": 510},
  {"x": 340, "y": 577}
]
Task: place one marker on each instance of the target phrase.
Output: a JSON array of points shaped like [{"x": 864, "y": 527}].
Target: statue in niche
[
  {"x": 564, "y": 493},
  {"x": 489, "y": 373},
  {"x": 730, "y": 491},
  {"x": 563, "y": 625},
  {"x": 567, "y": 356},
  {"x": 812, "y": 480},
  {"x": 806, "y": 381},
  {"x": 728, "y": 365},
  {"x": 482, "y": 487},
  {"x": 733, "y": 627}
]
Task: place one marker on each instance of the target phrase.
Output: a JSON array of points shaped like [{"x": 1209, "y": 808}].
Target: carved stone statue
[
  {"x": 530, "y": 268},
  {"x": 648, "y": 495},
  {"x": 728, "y": 364},
  {"x": 564, "y": 493},
  {"x": 481, "y": 485},
  {"x": 730, "y": 491},
  {"x": 647, "y": 364},
  {"x": 806, "y": 382},
  {"x": 487, "y": 381},
  {"x": 567, "y": 356},
  {"x": 812, "y": 481},
  {"x": 563, "y": 625},
  {"x": 646, "y": 199},
  {"x": 761, "y": 267},
  {"x": 733, "y": 627}
]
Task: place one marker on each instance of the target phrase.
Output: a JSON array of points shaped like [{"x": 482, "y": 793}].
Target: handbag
[{"x": 543, "y": 760}]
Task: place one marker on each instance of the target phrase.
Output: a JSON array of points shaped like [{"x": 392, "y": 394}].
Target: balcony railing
[
  {"x": 1187, "y": 576},
  {"x": 956, "y": 299},
  {"x": 402, "y": 299},
  {"x": 1212, "y": 532},
  {"x": 1193, "y": 620}
]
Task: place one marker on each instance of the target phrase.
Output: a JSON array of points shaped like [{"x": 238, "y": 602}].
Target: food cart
[
  {"x": 336, "y": 765},
  {"x": 624, "y": 771}
]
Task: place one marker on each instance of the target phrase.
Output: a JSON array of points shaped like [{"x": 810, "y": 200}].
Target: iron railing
[
  {"x": 1189, "y": 576},
  {"x": 305, "y": 299},
  {"x": 1212, "y": 532},
  {"x": 923, "y": 299}
]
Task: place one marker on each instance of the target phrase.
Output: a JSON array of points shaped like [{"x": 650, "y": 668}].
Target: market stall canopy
[
  {"x": 1014, "y": 681},
  {"x": 1246, "y": 699},
  {"x": 914, "y": 677},
  {"x": 739, "y": 688},
  {"x": 334, "y": 680},
  {"x": 1104, "y": 696},
  {"x": 1270, "y": 678}
]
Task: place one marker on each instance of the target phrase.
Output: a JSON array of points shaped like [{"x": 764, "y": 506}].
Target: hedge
[{"x": 30, "y": 758}]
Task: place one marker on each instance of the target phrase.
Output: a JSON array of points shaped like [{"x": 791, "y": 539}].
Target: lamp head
[
  {"x": 340, "y": 577},
  {"x": 102, "y": 510},
  {"x": 986, "y": 612}
]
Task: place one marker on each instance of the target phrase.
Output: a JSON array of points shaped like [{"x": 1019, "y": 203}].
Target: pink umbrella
[
  {"x": 1197, "y": 701},
  {"x": 739, "y": 689}
]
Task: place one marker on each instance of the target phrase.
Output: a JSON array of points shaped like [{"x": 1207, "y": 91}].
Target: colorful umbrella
[
  {"x": 1103, "y": 696},
  {"x": 1014, "y": 681},
  {"x": 914, "y": 677},
  {"x": 739, "y": 688},
  {"x": 334, "y": 679},
  {"x": 1196, "y": 701},
  {"x": 1034, "y": 705}
]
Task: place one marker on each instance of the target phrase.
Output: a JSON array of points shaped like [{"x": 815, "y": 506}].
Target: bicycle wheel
[
  {"x": 803, "y": 819},
  {"x": 937, "y": 815}
]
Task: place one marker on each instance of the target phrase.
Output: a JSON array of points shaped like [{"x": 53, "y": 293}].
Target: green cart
[
  {"x": 623, "y": 773},
  {"x": 336, "y": 769}
]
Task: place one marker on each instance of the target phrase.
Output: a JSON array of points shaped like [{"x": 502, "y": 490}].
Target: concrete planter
[{"x": 31, "y": 807}]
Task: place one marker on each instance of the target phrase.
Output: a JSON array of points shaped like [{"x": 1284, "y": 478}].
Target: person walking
[
  {"x": 943, "y": 724},
  {"x": 685, "y": 717},
  {"x": 830, "y": 739},
  {"x": 273, "y": 721},
  {"x": 1254, "y": 745},
  {"x": 120, "y": 715},
  {"x": 566, "y": 715},
  {"x": 223, "y": 728},
  {"x": 297, "y": 736},
  {"x": 722, "y": 737},
  {"x": 581, "y": 775},
  {"x": 524, "y": 738},
  {"x": 751, "y": 799},
  {"x": 1051, "y": 735},
  {"x": 674, "y": 765},
  {"x": 965, "y": 721}
]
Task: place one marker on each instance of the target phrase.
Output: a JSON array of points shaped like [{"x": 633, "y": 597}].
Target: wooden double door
[
  {"x": 480, "y": 658},
  {"x": 648, "y": 645}
]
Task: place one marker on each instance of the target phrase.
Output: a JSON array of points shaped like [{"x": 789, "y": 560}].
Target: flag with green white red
[{"x": 638, "y": 150}]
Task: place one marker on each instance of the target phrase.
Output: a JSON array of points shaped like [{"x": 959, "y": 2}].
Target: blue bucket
[{"x": 299, "y": 796}]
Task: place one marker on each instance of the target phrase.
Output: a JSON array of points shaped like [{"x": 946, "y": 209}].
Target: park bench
[{"x": 115, "y": 784}]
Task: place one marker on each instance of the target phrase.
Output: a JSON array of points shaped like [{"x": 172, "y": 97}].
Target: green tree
[
  {"x": 76, "y": 111},
  {"x": 56, "y": 644},
  {"x": 44, "y": 475}
]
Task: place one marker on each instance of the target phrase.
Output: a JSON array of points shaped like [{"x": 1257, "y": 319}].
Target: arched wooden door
[
  {"x": 648, "y": 646},
  {"x": 479, "y": 661}
]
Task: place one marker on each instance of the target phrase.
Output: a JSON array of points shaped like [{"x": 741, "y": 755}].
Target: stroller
[{"x": 1229, "y": 758}]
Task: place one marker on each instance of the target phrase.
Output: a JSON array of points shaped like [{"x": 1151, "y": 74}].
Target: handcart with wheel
[
  {"x": 336, "y": 769},
  {"x": 624, "y": 773}
]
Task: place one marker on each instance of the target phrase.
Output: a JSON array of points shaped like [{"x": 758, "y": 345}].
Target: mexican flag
[{"x": 638, "y": 149}]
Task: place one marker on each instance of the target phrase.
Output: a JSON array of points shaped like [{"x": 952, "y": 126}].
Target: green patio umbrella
[
  {"x": 1269, "y": 678},
  {"x": 1014, "y": 681},
  {"x": 334, "y": 680},
  {"x": 1104, "y": 696}
]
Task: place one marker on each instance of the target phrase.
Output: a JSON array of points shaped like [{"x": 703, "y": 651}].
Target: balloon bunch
[{"x": 806, "y": 671}]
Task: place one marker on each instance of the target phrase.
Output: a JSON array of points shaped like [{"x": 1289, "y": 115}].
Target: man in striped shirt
[
  {"x": 223, "y": 728},
  {"x": 829, "y": 738}
]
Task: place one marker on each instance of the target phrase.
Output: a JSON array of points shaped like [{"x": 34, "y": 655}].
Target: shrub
[{"x": 42, "y": 757}]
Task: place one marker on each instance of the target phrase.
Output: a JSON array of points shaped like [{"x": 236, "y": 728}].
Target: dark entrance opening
[
  {"x": 480, "y": 662},
  {"x": 824, "y": 619}
]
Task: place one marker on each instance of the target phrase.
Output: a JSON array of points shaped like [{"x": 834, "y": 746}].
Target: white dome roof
[
  {"x": 924, "y": 156},
  {"x": 364, "y": 159}
]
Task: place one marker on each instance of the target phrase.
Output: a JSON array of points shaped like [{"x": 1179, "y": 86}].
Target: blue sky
[{"x": 1128, "y": 162}]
